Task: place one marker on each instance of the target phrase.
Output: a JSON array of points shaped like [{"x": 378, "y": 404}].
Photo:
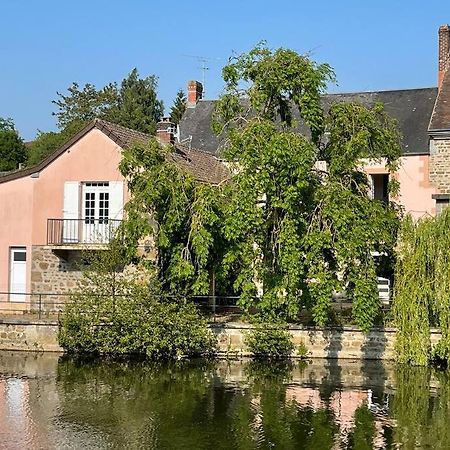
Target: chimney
[
  {"x": 165, "y": 131},
  {"x": 444, "y": 52},
  {"x": 195, "y": 93}
]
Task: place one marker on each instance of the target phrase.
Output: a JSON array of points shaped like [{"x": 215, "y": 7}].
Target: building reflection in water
[{"x": 66, "y": 403}]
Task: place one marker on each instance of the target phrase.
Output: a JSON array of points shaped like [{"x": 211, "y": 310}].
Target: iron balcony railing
[{"x": 81, "y": 231}]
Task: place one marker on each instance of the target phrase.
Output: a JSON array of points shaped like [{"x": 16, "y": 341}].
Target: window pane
[{"x": 20, "y": 256}]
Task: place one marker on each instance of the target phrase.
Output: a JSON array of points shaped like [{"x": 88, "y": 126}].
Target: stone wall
[
  {"x": 20, "y": 334},
  {"x": 440, "y": 164},
  {"x": 53, "y": 272},
  {"x": 344, "y": 343}
]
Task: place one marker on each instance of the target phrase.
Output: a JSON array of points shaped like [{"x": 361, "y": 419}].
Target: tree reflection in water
[{"x": 222, "y": 405}]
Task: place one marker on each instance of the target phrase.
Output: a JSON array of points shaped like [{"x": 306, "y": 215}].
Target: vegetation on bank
[{"x": 119, "y": 311}]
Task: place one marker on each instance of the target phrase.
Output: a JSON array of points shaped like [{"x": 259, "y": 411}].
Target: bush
[
  {"x": 117, "y": 313},
  {"x": 138, "y": 324},
  {"x": 269, "y": 340}
]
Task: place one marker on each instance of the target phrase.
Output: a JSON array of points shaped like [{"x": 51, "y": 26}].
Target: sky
[{"x": 45, "y": 45}]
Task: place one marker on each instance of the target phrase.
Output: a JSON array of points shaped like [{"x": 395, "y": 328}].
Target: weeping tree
[
  {"x": 299, "y": 220},
  {"x": 422, "y": 289},
  {"x": 180, "y": 215}
]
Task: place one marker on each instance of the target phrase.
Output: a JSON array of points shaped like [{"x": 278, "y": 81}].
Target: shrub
[
  {"x": 269, "y": 340},
  {"x": 117, "y": 313}
]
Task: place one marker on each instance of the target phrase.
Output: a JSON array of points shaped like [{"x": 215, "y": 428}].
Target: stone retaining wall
[
  {"x": 19, "y": 334},
  {"x": 344, "y": 343}
]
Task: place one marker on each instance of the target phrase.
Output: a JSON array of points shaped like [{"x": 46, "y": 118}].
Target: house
[
  {"x": 71, "y": 202},
  {"x": 74, "y": 199},
  {"x": 423, "y": 116}
]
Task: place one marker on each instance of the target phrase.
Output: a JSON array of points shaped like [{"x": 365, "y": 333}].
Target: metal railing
[
  {"x": 216, "y": 308},
  {"x": 81, "y": 231}
]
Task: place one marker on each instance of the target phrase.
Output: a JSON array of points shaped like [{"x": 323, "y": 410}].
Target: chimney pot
[
  {"x": 444, "y": 52},
  {"x": 195, "y": 93}
]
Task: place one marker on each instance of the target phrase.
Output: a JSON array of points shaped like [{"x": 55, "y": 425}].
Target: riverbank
[{"x": 334, "y": 343}]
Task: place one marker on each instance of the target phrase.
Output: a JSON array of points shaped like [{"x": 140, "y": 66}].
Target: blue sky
[{"x": 47, "y": 44}]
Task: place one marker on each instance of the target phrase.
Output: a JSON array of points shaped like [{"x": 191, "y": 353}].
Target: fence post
[{"x": 40, "y": 305}]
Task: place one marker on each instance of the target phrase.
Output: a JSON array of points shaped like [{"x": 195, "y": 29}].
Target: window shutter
[
  {"x": 71, "y": 211},
  {"x": 116, "y": 200}
]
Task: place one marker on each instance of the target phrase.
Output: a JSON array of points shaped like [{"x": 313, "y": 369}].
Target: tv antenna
[{"x": 205, "y": 62}]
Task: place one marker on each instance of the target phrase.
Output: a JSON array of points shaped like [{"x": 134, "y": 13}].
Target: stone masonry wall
[
  {"x": 440, "y": 165},
  {"x": 38, "y": 336},
  {"x": 345, "y": 343},
  {"x": 52, "y": 274}
]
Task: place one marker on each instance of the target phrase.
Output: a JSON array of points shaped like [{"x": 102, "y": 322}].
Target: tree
[
  {"x": 47, "y": 142},
  {"x": 84, "y": 105},
  {"x": 12, "y": 149},
  {"x": 133, "y": 105},
  {"x": 138, "y": 107},
  {"x": 178, "y": 108},
  {"x": 181, "y": 215},
  {"x": 299, "y": 233}
]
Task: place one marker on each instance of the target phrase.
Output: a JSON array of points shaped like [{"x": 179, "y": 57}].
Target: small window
[
  {"x": 20, "y": 256},
  {"x": 380, "y": 189}
]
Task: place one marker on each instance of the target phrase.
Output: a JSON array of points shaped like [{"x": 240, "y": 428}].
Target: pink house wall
[
  {"x": 415, "y": 189},
  {"x": 26, "y": 203}
]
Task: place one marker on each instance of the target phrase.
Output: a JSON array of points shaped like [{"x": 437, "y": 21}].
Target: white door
[
  {"x": 96, "y": 227},
  {"x": 18, "y": 274}
]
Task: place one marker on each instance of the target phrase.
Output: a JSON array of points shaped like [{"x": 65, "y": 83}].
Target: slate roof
[
  {"x": 411, "y": 107},
  {"x": 201, "y": 165},
  {"x": 440, "y": 119}
]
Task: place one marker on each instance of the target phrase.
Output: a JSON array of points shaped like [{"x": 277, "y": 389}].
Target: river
[{"x": 48, "y": 401}]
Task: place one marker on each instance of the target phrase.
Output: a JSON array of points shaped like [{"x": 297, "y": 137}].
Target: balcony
[{"x": 76, "y": 233}]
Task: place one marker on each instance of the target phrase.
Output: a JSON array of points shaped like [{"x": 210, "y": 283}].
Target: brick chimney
[
  {"x": 195, "y": 93},
  {"x": 444, "y": 52},
  {"x": 165, "y": 131}
]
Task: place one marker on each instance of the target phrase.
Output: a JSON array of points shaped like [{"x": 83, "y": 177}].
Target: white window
[{"x": 92, "y": 210}]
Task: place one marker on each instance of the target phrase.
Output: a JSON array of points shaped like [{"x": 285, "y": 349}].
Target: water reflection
[{"x": 49, "y": 402}]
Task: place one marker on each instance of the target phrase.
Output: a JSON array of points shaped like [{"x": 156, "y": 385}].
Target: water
[{"x": 52, "y": 402}]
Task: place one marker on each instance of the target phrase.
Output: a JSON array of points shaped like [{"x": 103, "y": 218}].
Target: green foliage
[
  {"x": 46, "y": 143},
  {"x": 134, "y": 104},
  {"x": 86, "y": 104},
  {"x": 181, "y": 215},
  {"x": 138, "y": 107},
  {"x": 178, "y": 108},
  {"x": 12, "y": 148},
  {"x": 269, "y": 340},
  {"x": 116, "y": 311},
  {"x": 297, "y": 229},
  {"x": 422, "y": 289}
]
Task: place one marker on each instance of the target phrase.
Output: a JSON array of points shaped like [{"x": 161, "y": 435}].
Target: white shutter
[
  {"x": 71, "y": 211},
  {"x": 116, "y": 200}
]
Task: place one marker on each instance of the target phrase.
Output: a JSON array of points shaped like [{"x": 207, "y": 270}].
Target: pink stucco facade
[
  {"x": 26, "y": 203},
  {"x": 416, "y": 192}
]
